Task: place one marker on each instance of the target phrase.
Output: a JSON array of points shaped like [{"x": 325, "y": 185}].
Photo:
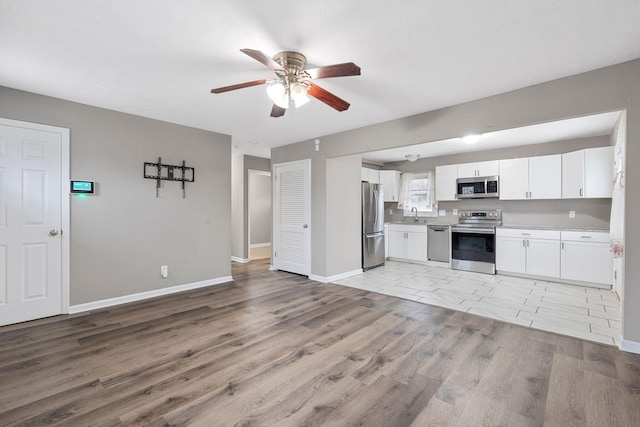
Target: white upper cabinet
[
  {"x": 531, "y": 178},
  {"x": 587, "y": 173},
  {"x": 514, "y": 179},
  {"x": 390, "y": 181},
  {"x": 545, "y": 177},
  {"x": 371, "y": 176},
  {"x": 489, "y": 168},
  {"x": 446, "y": 182}
]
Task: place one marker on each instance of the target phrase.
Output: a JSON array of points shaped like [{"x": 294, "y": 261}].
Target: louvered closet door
[{"x": 292, "y": 211}]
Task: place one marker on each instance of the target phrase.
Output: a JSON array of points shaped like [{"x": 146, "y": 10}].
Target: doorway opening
[{"x": 259, "y": 207}]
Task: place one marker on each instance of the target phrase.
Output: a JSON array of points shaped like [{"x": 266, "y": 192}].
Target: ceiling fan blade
[
  {"x": 240, "y": 86},
  {"x": 336, "y": 70},
  {"x": 277, "y": 111},
  {"x": 262, "y": 58},
  {"x": 327, "y": 97}
]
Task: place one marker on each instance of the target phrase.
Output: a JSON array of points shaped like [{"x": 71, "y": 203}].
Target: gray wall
[
  {"x": 607, "y": 89},
  {"x": 121, "y": 237},
  {"x": 241, "y": 164},
  {"x": 259, "y": 208},
  {"x": 533, "y": 150},
  {"x": 343, "y": 233},
  {"x": 238, "y": 236},
  {"x": 594, "y": 213}
]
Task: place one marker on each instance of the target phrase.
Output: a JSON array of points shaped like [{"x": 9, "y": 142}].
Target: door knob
[
  {"x": 53, "y": 233},
  {"x": 305, "y": 226}
]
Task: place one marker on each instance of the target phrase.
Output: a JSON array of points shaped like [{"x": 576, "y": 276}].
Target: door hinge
[{"x": 275, "y": 254}]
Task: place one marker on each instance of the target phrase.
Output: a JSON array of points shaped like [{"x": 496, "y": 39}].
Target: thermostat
[{"x": 82, "y": 187}]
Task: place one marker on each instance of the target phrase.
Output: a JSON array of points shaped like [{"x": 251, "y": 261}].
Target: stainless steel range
[{"x": 473, "y": 241}]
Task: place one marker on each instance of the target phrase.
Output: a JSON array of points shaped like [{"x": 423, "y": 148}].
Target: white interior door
[
  {"x": 292, "y": 214},
  {"x": 31, "y": 217}
]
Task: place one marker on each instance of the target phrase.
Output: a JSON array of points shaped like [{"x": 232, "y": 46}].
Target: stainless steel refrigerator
[{"x": 372, "y": 225}]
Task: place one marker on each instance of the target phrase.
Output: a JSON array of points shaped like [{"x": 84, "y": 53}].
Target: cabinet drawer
[
  {"x": 528, "y": 233},
  {"x": 408, "y": 228},
  {"x": 585, "y": 236}
]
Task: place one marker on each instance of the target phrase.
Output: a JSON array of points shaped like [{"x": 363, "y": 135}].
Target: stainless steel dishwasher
[{"x": 438, "y": 243}]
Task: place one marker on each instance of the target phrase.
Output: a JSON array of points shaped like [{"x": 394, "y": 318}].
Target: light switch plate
[
  {"x": 572, "y": 214},
  {"x": 455, "y": 211},
  {"x": 442, "y": 212}
]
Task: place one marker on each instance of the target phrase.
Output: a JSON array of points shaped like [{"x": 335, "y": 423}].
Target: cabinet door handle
[
  {"x": 562, "y": 246},
  {"x": 524, "y": 244},
  {"x": 581, "y": 192},
  {"x": 527, "y": 243},
  {"x": 585, "y": 237}
]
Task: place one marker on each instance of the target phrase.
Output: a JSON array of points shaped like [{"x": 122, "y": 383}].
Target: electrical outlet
[
  {"x": 455, "y": 211},
  {"x": 572, "y": 214},
  {"x": 390, "y": 211},
  {"x": 164, "y": 271}
]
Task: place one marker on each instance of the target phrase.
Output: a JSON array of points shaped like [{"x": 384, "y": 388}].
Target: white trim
[
  {"x": 629, "y": 346},
  {"x": 272, "y": 268},
  {"x": 260, "y": 245},
  {"x": 605, "y": 286},
  {"x": 335, "y": 277},
  {"x": 95, "y": 305},
  {"x": 65, "y": 221},
  {"x": 238, "y": 259}
]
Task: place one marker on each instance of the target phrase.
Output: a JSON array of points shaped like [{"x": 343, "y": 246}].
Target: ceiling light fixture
[
  {"x": 412, "y": 157},
  {"x": 282, "y": 92},
  {"x": 471, "y": 139}
]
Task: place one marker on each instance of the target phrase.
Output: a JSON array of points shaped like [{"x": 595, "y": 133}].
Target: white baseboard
[
  {"x": 260, "y": 245},
  {"x": 272, "y": 268},
  {"x": 95, "y": 305},
  {"x": 340, "y": 276},
  {"x": 237, "y": 259},
  {"x": 629, "y": 346}
]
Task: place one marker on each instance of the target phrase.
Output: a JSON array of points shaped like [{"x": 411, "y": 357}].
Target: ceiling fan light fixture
[
  {"x": 278, "y": 94},
  {"x": 298, "y": 92},
  {"x": 412, "y": 157}
]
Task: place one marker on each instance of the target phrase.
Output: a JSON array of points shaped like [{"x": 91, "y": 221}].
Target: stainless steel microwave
[{"x": 477, "y": 187}]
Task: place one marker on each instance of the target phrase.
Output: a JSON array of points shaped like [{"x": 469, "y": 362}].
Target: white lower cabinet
[
  {"x": 586, "y": 257},
  {"x": 533, "y": 252},
  {"x": 579, "y": 257},
  {"x": 408, "y": 242}
]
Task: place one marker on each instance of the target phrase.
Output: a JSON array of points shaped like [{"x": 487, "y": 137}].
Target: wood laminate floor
[{"x": 274, "y": 348}]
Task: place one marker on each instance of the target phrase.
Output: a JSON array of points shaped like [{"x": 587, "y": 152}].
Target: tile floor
[{"x": 581, "y": 312}]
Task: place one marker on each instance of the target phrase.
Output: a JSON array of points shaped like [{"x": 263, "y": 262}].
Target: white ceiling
[
  {"x": 160, "y": 58},
  {"x": 581, "y": 127}
]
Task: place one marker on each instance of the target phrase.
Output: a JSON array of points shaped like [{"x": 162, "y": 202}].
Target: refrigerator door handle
[{"x": 375, "y": 196}]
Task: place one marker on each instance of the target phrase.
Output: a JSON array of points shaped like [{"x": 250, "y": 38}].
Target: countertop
[
  {"x": 423, "y": 223},
  {"x": 555, "y": 228}
]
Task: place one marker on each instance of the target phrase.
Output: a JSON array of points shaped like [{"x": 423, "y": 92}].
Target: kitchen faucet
[{"x": 415, "y": 218}]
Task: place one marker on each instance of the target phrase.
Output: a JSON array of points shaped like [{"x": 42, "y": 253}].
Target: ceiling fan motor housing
[{"x": 290, "y": 60}]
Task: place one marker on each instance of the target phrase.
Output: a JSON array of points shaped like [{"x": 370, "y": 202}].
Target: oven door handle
[{"x": 473, "y": 230}]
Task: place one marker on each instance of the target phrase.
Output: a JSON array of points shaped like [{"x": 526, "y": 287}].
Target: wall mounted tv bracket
[{"x": 160, "y": 172}]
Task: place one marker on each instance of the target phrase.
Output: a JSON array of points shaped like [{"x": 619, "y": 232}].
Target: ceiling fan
[{"x": 293, "y": 81}]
